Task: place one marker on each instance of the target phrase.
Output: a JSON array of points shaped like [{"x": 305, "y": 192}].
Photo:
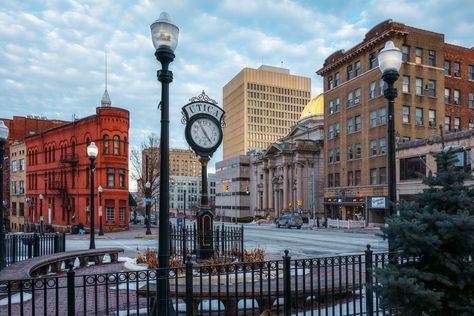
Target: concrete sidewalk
[{"x": 135, "y": 232}]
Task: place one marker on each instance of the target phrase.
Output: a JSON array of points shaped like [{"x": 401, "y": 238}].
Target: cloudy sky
[{"x": 52, "y": 51}]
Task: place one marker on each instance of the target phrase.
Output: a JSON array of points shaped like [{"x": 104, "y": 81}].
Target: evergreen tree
[{"x": 434, "y": 244}]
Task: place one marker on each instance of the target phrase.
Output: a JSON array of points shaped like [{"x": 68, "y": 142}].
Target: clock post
[
  {"x": 205, "y": 217},
  {"x": 204, "y": 121}
]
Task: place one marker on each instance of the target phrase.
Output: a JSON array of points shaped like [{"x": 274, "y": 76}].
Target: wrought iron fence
[
  {"x": 20, "y": 247},
  {"x": 228, "y": 241},
  {"x": 338, "y": 285}
]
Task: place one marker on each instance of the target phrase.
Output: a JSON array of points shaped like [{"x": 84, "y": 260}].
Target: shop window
[{"x": 412, "y": 168}]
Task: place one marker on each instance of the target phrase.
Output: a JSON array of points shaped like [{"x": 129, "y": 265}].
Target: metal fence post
[
  {"x": 56, "y": 243},
  {"x": 194, "y": 238},
  {"x": 189, "y": 287},
  {"x": 14, "y": 245},
  {"x": 36, "y": 245},
  {"x": 71, "y": 307},
  {"x": 63, "y": 249},
  {"x": 286, "y": 284},
  {"x": 223, "y": 241},
  {"x": 184, "y": 244},
  {"x": 215, "y": 236},
  {"x": 369, "y": 281},
  {"x": 242, "y": 241}
]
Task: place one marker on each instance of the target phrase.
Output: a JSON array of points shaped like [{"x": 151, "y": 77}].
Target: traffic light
[{"x": 299, "y": 203}]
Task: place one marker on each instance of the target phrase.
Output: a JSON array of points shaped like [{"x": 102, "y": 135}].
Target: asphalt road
[
  {"x": 311, "y": 243},
  {"x": 304, "y": 243}
]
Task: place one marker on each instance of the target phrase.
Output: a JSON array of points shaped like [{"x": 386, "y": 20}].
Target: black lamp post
[
  {"x": 3, "y": 140},
  {"x": 41, "y": 197},
  {"x": 165, "y": 39},
  {"x": 390, "y": 60},
  {"x": 92, "y": 152},
  {"x": 101, "y": 231},
  {"x": 184, "y": 209},
  {"x": 147, "y": 205}
]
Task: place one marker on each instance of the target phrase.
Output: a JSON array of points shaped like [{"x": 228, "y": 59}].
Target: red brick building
[
  {"x": 19, "y": 128},
  {"x": 458, "y": 88},
  {"x": 57, "y": 167}
]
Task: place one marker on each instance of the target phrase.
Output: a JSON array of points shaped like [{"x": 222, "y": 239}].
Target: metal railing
[
  {"x": 339, "y": 223},
  {"x": 228, "y": 241},
  {"x": 20, "y": 247},
  {"x": 340, "y": 285}
]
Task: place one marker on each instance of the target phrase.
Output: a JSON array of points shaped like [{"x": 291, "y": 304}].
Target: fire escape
[{"x": 60, "y": 184}]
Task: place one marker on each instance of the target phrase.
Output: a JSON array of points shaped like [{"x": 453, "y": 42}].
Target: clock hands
[{"x": 204, "y": 131}]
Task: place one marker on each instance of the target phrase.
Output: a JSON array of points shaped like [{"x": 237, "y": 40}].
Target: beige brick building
[
  {"x": 356, "y": 115},
  {"x": 18, "y": 200},
  {"x": 261, "y": 105},
  {"x": 183, "y": 162}
]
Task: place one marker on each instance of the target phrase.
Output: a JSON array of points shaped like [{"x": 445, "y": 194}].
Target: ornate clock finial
[{"x": 203, "y": 97}]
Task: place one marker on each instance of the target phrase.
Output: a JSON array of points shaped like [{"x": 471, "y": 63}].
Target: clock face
[{"x": 205, "y": 133}]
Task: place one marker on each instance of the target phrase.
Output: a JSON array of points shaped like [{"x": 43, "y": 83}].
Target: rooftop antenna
[{"x": 106, "y": 102}]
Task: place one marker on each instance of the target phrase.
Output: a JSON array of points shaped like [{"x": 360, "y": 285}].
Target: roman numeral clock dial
[{"x": 205, "y": 133}]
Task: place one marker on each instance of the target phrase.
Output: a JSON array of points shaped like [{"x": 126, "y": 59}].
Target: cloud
[{"x": 52, "y": 57}]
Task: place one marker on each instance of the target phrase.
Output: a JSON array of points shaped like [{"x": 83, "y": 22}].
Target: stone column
[
  {"x": 292, "y": 186},
  {"x": 285, "y": 187},
  {"x": 271, "y": 172},
  {"x": 299, "y": 183},
  {"x": 256, "y": 194},
  {"x": 265, "y": 188},
  {"x": 276, "y": 207}
]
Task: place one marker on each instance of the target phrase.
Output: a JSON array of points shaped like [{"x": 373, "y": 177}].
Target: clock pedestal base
[{"x": 205, "y": 224}]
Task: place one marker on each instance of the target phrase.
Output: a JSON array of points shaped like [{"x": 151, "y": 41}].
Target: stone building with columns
[{"x": 288, "y": 176}]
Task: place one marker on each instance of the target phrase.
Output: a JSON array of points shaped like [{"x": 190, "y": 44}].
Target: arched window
[
  {"x": 125, "y": 153},
  {"x": 106, "y": 144},
  {"x": 116, "y": 145},
  {"x": 73, "y": 148}
]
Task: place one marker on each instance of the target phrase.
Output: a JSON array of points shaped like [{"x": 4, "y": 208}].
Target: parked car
[
  {"x": 140, "y": 219},
  {"x": 289, "y": 220}
]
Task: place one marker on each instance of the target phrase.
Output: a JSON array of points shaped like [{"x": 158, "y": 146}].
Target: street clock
[
  {"x": 204, "y": 134},
  {"x": 204, "y": 121}
]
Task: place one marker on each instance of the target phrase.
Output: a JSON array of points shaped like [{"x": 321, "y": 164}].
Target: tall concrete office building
[{"x": 261, "y": 105}]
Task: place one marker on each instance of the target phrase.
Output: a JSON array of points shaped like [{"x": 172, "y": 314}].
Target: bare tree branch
[{"x": 145, "y": 166}]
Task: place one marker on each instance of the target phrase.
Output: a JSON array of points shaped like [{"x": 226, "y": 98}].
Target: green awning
[{"x": 131, "y": 200}]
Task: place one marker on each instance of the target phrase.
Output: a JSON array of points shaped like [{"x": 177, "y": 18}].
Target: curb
[{"x": 146, "y": 236}]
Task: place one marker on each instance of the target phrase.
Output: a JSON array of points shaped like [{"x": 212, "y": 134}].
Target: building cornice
[{"x": 362, "y": 47}]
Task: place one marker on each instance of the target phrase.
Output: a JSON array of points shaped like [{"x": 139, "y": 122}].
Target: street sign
[{"x": 149, "y": 200}]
